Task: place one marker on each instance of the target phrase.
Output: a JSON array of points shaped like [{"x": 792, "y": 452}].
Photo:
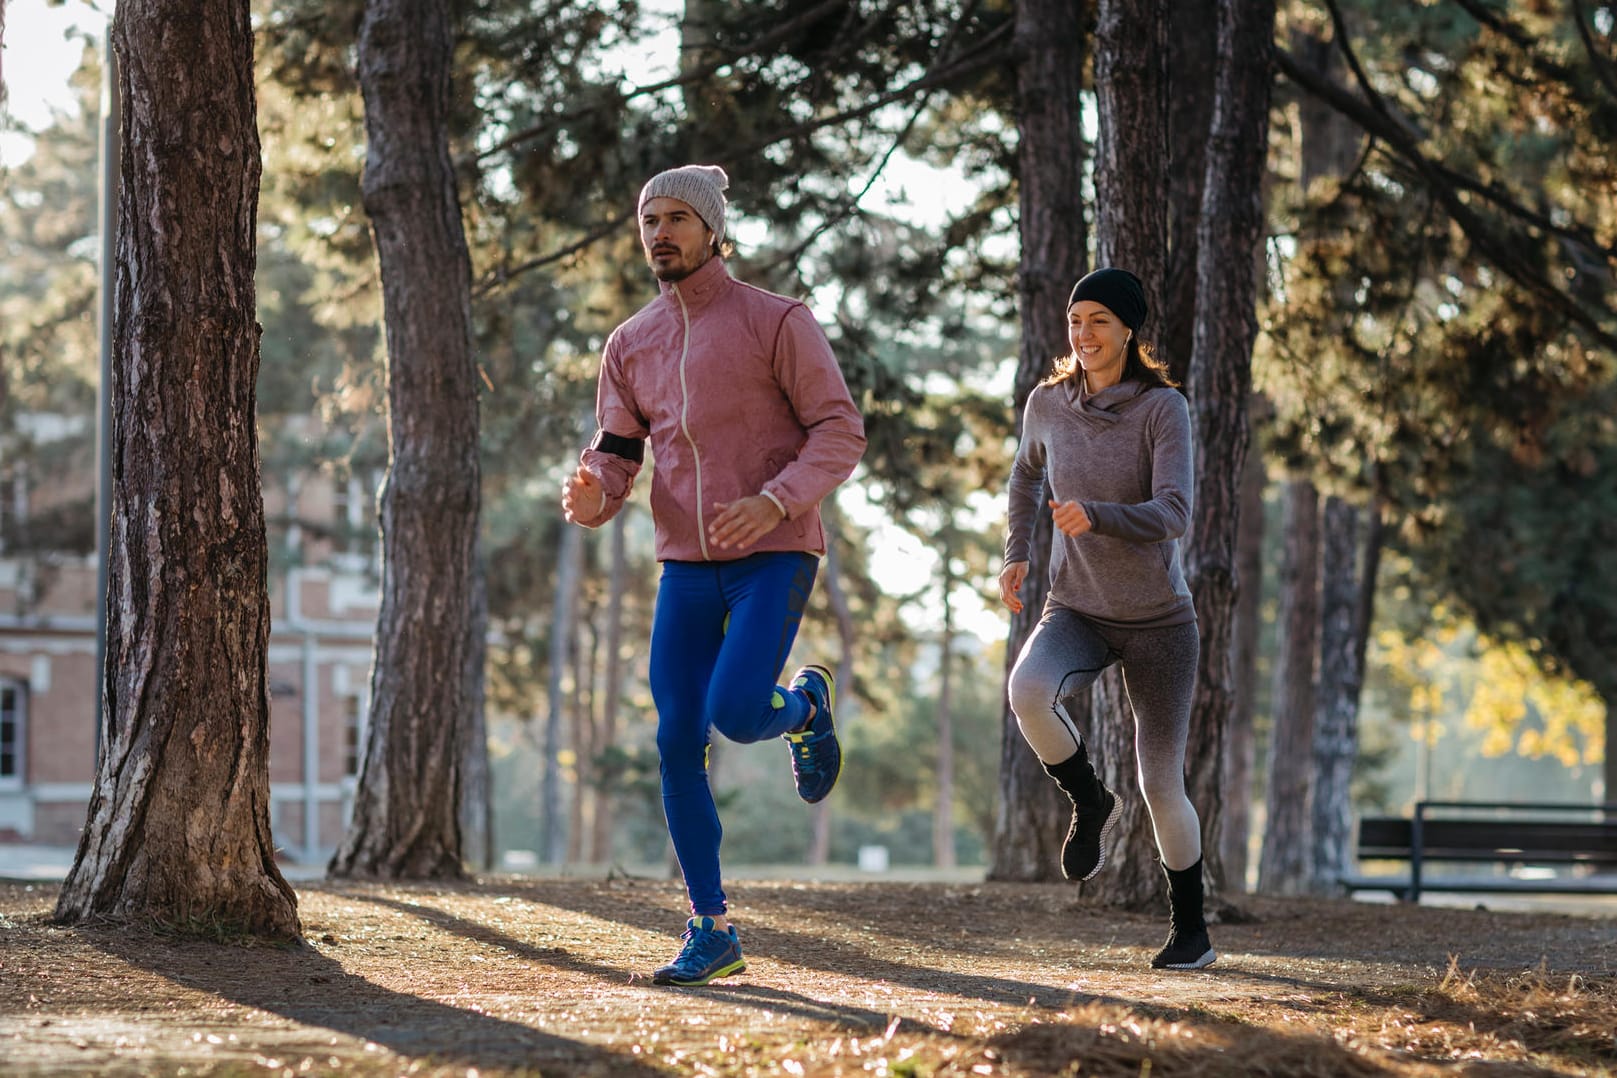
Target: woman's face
[{"x": 1098, "y": 339}]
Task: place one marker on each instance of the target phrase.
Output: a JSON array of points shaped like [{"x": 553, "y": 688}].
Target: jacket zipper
[{"x": 684, "y": 424}]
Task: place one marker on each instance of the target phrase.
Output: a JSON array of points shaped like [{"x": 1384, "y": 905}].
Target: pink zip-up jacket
[{"x": 738, "y": 392}]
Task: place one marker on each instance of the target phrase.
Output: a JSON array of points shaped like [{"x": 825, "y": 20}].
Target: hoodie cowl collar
[{"x": 1102, "y": 405}]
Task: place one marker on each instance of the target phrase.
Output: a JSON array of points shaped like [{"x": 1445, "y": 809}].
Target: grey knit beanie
[{"x": 701, "y": 187}]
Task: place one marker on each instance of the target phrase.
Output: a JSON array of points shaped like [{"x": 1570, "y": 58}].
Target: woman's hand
[
  {"x": 1010, "y": 582},
  {"x": 1070, "y": 517}
]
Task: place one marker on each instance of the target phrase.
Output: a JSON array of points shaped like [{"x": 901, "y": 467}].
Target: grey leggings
[{"x": 1064, "y": 656}]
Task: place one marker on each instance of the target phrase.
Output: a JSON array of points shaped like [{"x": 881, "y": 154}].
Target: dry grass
[{"x": 517, "y": 977}]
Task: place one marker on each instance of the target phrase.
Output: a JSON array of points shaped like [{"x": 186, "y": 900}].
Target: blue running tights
[{"x": 719, "y": 641}]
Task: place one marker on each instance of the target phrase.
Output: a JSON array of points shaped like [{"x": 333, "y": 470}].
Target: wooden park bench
[{"x": 1524, "y": 843}]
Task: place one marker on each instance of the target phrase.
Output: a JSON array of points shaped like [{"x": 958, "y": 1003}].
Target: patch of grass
[{"x": 215, "y": 926}]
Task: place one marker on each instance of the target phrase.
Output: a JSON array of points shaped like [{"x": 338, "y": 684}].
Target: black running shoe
[
  {"x": 1185, "y": 949},
  {"x": 1083, "y": 854}
]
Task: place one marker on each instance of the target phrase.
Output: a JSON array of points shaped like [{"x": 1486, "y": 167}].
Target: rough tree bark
[
  {"x": 1330, "y": 147},
  {"x": 1285, "y": 863},
  {"x": 848, "y": 637},
  {"x": 943, "y": 849},
  {"x": 1229, "y": 235},
  {"x": 604, "y": 817},
  {"x": 1336, "y": 707},
  {"x": 1240, "y": 742},
  {"x": 477, "y": 788},
  {"x": 564, "y": 616},
  {"x": 406, "y": 810},
  {"x": 178, "y": 829},
  {"x": 1192, "y": 67},
  {"x": 1030, "y": 820},
  {"x": 1131, "y": 226}
]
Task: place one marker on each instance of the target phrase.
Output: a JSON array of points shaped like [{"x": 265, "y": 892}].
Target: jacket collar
[
  {"x": 1105, "y": 404},
  {"x": 699, "y": 288}
]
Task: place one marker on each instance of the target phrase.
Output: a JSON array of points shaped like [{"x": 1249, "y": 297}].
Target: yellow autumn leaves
[{"x": 1497, "y": 688}]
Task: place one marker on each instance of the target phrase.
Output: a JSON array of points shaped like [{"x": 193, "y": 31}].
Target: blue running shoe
[
  {"x": 708, "y": 954},
  {"x": 816, "y": 755}
]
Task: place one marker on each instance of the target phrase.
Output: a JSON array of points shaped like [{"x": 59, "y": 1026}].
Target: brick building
[{"x": 321, "y": 626}]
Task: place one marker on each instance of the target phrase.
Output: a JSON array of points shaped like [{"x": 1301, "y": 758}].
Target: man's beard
[{"x": 673, "y": 272}]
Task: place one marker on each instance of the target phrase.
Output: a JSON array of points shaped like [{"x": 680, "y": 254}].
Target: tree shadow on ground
[
  {"x": 817, "y": 952},
  {"x": 1103, "y": 1034},
  {"x": 1314, "y": 999},
  {"x": 852, "y": 1018},
  {"x": 1270, "y": 926},
  {"x": 331, "y": 998}
]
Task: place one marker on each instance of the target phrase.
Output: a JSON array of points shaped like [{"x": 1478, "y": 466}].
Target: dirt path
[{"x": 513, "y": 977}]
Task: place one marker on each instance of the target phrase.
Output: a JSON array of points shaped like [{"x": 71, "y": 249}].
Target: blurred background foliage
[{"x": 1439, "y": 336}]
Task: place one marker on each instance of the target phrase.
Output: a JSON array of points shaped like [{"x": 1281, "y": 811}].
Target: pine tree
[{"x": 178, "y": 829}]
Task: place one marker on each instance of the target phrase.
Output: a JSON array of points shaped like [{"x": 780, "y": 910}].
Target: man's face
[{"x": 677, "y": 243}]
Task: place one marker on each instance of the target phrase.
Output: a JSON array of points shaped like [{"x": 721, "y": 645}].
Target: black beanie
[{"x": 1118, "y": 290}]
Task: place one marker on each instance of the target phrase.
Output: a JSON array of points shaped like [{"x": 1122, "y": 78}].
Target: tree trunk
[
  {"x": 178, "y": 829},
  {"x": 1285, "y": 863},
  {"x": 1131, "y": 224},
  {"x": 406, "y": 811},
  {"x": 580, "y": 729},
  {"x": 1336, "y": 708},
  {"x": 569, "y": 568},
  {"x": 477, "y": 791},
  {"x": 1192, "y": 69},
  {"x": 1230, "y": 234},
  {"x": 1131, "y": 162},
  {"x": 611, "y": 695},
  {"x": 943, "y": 851},
  {"x": 1240, "y": 748},
  {"x": 847, "y": 633},
  {"x": 1330, "y": 146},
  {"x": 1031, "y": 818},
  {"x": 1364, "y": 617},
  {"x": 1330, "y": 141}
]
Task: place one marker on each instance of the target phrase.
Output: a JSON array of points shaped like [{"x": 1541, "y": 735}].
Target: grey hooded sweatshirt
[{"x": 1124, "y": 454}]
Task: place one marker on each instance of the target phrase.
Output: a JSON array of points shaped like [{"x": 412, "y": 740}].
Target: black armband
[{"x": 628, "y": 448}]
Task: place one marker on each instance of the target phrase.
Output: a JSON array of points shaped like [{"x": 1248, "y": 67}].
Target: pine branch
[
  {"x": 986, "y": 53},
  {"x": 1376, "y": 118},
  {"x": 1603, "y": 66},
  {"x": 784, "y": 32},
  {"x": 850, "y": 206},
  {"x": 503, "y": 274},
  {"x": 1518, "y": 37},
  {"x": 1412, "y": 135},
  {"x": 1316, "y": 84}
]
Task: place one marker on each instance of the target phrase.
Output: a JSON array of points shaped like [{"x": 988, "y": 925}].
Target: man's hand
[
  {"x": 1070, "y": 517},
  {"x": 582, "y": 497},
  {"x": 1011, "y": 579},
  {"x": 744, "y": 521}
]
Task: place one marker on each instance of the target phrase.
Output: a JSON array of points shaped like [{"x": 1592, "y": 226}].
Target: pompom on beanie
[
  {"x": 1116, "y": 289},
  {"x": 701, "y": 187}
]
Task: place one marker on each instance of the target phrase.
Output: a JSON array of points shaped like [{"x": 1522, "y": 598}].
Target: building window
[
  {"x": 344, "y": 509},
  {"x": 353, "y": 751},
  {"x": 13, "y": 721}
]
